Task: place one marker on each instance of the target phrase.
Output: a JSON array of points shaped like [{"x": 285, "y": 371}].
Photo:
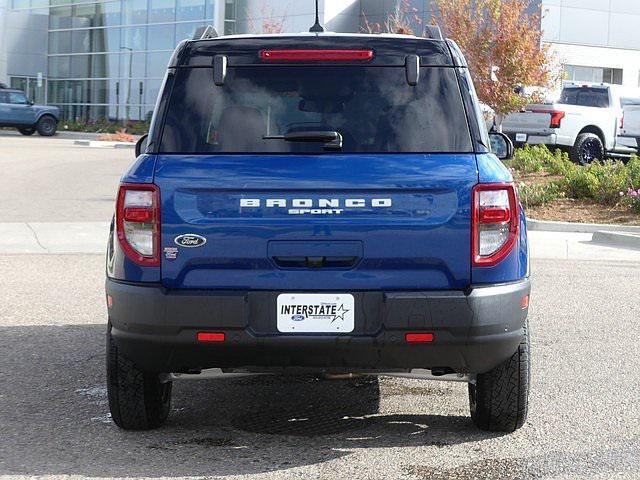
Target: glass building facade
[{"x": 106, "y": 60}]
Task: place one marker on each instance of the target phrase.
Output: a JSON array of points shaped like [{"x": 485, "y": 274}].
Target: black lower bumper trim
[{"x": 473, "y": 331}]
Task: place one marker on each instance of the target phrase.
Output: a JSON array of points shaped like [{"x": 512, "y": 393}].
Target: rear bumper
[
  {"x": 474, "y": 330},
  {"x": 550, "y": 139}
]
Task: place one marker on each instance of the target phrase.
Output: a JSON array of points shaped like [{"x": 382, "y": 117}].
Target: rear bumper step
[{"x": 473, "y": 330}]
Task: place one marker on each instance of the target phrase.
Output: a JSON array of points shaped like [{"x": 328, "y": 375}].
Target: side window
[
  {"x": 3, "y": 97},
  {"x": 17, "y": 98}
]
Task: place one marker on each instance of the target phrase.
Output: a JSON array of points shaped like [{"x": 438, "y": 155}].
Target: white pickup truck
[{"x": 586, "y": 121}]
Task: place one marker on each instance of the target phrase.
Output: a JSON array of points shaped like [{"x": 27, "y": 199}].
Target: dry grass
[{"x": 120, "y": 136}]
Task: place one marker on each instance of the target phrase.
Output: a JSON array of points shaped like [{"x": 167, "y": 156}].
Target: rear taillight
[
  {"x": 316, "y": 55},
  {"x": 556, "y": 117},
  {"x": 495, "y": 222},
  {"x": 138, "y": 222}
]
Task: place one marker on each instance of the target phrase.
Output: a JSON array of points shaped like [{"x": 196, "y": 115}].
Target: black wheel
[
  {"x": 138, "y": 400},
  {"x": 27, "y": 131},
  {"x": 47, "y": 126},
  {"x": 499, "y": 399},
  {"x": 588, "y": 147}
]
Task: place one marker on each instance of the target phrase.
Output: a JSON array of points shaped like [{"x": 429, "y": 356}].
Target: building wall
[
  {"x": 254, "y": 16},
  {"x": 3, "y": 51},
  {"x": 595, "y": 33},
  {"x": 25, "y": 41},
  {"x": 99, "y": 60}
]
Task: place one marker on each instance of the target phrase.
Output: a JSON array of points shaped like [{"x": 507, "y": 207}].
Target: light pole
[{"x": 128, "y": 100}]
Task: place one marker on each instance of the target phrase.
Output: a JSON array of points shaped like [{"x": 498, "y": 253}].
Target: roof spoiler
[
  {"x": 203, "y": 33},
  {"x": 433, "y": 32}
]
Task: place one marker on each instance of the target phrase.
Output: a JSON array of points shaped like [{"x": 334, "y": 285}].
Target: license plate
[
  {"x": 315, "y": 313},
  {"x": 521, "y": 137}
]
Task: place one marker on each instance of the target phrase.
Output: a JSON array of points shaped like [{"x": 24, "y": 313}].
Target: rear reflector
[
  {"x": 210, "y": 337},
  {"x": 494, "y": 215},
  {"x": 109, "y": 301},
  {"x": 524, "y": 302},
  {"x": 138, "y": 214},
  {"x": 419, "y": 337},
  {"x": 316, "y": 55}
]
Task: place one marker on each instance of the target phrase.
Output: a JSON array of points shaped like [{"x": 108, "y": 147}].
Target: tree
[
  {"x": 402, "y": 19},
  {"x": 269, "y": 22},
  {"x": 501, "y": 41}
]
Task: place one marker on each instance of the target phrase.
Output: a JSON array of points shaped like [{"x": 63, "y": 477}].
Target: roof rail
[
  {"x": 203, "y": 33},
  {"x": 433, "y": 31}
]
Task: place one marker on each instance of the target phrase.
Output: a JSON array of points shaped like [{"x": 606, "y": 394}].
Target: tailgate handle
[
  {"x": 315, "y": 254},
  {"x": 315, "y": 262}
]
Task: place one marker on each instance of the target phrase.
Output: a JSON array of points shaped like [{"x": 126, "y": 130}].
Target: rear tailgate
[
  {"x": 334, "y": 222},
  {"x": 529, "y": 122},
  {"x": 369, "y": 211},
  {"x": 631, "y": 125}
]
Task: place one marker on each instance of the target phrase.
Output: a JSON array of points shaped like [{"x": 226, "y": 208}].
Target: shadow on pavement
[{"x": 54, "y": 417}]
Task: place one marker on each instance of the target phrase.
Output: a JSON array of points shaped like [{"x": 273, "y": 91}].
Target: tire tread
[{"x": 502, "y": 394}]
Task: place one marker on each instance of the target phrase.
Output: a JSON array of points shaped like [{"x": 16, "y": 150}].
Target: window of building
[
  {"x": 229, "y": 17},
  {"x": 190, "y": 10},
  {"x": 29, "y": 85},
  {"x": 107, "y": 58},
  {"x": 579, "y": 73},
  {"x": 162, "y": 11}
]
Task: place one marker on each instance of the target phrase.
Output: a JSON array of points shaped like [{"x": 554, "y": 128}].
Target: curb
[
  {"x": 617, "y": 239},
  {"x": 567, "y": 227},
  {"x": 100, "y": 144}
]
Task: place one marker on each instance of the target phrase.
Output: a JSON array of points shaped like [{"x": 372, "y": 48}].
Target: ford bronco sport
[
  {"x": 318, "y": 203},
  {"x": 16, "y": 110}
]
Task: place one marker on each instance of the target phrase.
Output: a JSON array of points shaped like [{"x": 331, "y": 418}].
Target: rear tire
[
  {"x": 47, "y": 126},
  {"x": 138, "y": 400},
  {"x": 27, "y": 130},
  {"x": 588, "y": 147},
  {"x": 499, "y": 400}
]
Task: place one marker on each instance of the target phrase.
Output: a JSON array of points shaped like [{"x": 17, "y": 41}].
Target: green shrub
[
  {"x": 528, "y": 159},
  {"x": 633, "y": 167},
  {"x": 534, "y": 194},
  {"x": 612, "y": 177},
  {"x": 538, "y": 158},
  {"x": 105, "y": 126},
  {"x": 558, "y": 163},
  {"x": 579, "y": 183},
  {"x": 609, "y": 182}
]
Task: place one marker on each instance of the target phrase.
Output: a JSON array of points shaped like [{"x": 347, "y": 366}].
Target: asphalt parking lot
[{"x": 584, "y": 420}]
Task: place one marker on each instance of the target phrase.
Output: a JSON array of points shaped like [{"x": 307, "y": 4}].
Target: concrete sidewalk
[
  {"x": 64, "y": 237},
  {"x": 91, "y": 237}
]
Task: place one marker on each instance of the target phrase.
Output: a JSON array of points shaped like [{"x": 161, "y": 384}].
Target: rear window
[
  {"x": 586, "y": 97},
  {"x": 374, "y": 109}
]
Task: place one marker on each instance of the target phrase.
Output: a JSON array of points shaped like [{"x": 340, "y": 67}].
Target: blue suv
[
  {"x": 16, "y": 110},
  {"x": 318, "y": 203}
]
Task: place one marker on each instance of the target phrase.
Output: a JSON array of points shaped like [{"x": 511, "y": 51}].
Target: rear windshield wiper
[{"x": 332, "y": 139}]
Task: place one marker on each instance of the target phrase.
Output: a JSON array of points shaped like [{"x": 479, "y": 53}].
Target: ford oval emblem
[
  {"x": 190, "y": 240},
  {"x": 298, "y": 318}
]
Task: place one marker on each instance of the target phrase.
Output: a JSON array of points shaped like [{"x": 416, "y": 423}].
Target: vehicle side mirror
[
  {"x": 501, "y": 145},
  {"x": 141, "y": 145},
  {"x": 30, "y": 103}
]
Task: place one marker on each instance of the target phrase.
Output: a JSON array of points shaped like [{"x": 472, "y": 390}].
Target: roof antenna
[{"x": 317, "y": 28}]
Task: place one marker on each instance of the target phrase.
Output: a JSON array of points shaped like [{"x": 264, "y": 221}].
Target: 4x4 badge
[{"x": 190, "y": 240}]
